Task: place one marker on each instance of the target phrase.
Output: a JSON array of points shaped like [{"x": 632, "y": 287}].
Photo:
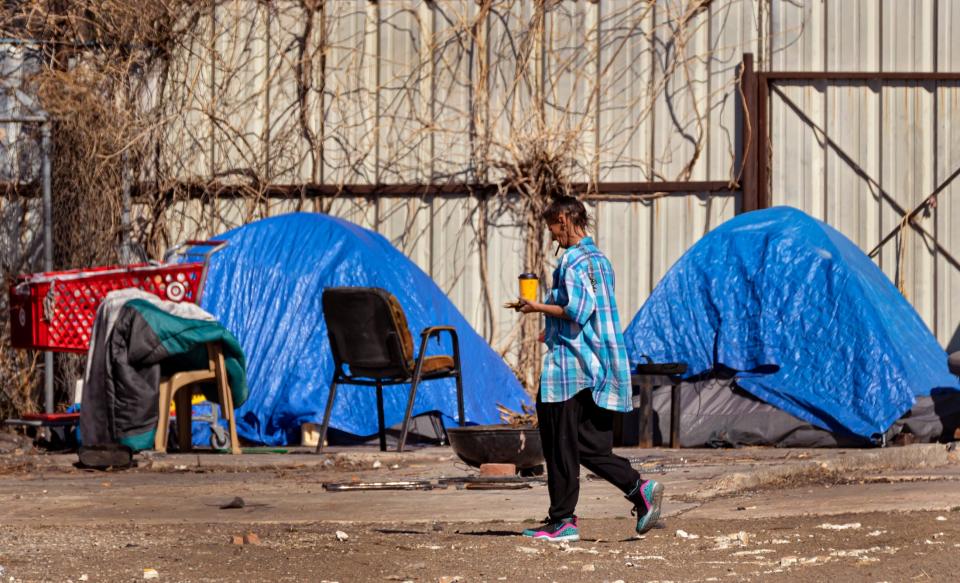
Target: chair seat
[
  {"x": 432, "y": 366},
  {"x": 436, "y": 364}
]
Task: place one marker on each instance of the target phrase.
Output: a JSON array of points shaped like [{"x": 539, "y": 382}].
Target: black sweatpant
[{"x": 574, "y": 432}]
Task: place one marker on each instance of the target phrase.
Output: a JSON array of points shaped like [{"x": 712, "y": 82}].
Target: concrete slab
[
  {"x": 288, "y": 487},
  {"x": 926, "y": 495}
]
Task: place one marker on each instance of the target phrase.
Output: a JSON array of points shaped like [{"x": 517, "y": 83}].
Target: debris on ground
[
  {"x": 237, "y": 502},
  {"x": 740, "y": 539},
  {"x": 246, "y": 539},
  {"x": 251, "y": 539},
  {"x": 342, "y": 536},
  {"x": 848, "y": 526},
  {"x": 489, "y": 470},
  {"x": 526, "y": 418},
  {"x": 397, "y": 485},
  {"x": 565, "y": 546}
]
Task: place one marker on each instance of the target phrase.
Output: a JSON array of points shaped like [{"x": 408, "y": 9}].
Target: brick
[
  {"x": 491, "y": 470},
  {"x": 251, "y": 539}
]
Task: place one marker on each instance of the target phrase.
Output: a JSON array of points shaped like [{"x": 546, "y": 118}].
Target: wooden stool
[
  {"x": 170, "y": 389},
  {"x": 645, "y": 378}
]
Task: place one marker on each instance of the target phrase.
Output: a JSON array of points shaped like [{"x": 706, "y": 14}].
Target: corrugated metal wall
[
  {"x": 399, "y": 96},
  {"x": 860, "y": 155}
]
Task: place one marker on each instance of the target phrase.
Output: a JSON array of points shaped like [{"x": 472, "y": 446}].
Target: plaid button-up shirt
[{"x": 586, "y": 351}]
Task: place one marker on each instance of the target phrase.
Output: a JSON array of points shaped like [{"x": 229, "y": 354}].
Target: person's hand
[
  {"x": 543, "y": 336},
  {"x": 526, "y": 306}
]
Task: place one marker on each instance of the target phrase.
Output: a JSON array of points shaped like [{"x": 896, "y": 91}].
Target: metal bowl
[{"x": 497, "y": 444}]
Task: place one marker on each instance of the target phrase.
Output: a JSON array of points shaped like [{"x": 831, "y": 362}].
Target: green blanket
[{"x": 120, "y": 398}]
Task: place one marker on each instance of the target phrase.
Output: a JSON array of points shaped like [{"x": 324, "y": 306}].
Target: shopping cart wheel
[{"x": 218, "y": 437}]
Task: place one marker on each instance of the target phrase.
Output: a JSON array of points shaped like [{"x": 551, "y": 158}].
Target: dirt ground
[
  {"x": 58, "y": 523},
  {"x": 881, "y": 547}
]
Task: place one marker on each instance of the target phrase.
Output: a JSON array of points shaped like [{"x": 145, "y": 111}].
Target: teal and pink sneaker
[
  {"x": 646, "y": 498},
  {"x": 564, "y": 530}
]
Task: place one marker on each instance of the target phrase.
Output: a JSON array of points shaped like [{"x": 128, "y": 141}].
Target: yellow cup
[{"x": 528, "y": 286}]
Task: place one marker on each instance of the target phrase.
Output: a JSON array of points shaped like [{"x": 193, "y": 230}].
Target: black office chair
[
  {"x": 953, "y": 363},
  {"x": 368, "y": 332}
]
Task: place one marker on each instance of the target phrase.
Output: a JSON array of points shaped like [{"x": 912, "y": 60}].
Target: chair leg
[
  {"x": 405, "y": 428},
  {"x": 439, "y": 429},
  {"x": 184, "y": 399},
  {"x": 232, "y": 423},
  {"x": 380, "y": 420},
  {"x": 326, "y": 415},
  {"x": 463, "y": 418},
  {"x": 163, "y": 418},
  {"x": 226, "y": 401},
  {"x": 458, "y": 366}
]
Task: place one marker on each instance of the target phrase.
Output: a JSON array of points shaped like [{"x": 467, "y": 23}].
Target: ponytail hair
[{"x": 573, "y": 208}]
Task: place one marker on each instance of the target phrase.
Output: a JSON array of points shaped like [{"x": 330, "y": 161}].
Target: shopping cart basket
[{"x": 55, "y": 310}]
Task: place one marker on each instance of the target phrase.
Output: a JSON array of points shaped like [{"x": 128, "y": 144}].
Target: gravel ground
[
  {"x": 822, "y": 516},
  {"x": 862, "y": 547}
]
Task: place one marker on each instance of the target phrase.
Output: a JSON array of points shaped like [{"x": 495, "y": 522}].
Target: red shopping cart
[{"x": 55, "y": 310}]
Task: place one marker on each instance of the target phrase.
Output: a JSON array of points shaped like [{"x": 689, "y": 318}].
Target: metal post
[
  {"x": 126, "y": 253},
  {"x": 764, "y": 198},
  {"x": 749, "y": 137},
  {"x": 47, "y": 252},
  {"x": 41, "y": 119}
]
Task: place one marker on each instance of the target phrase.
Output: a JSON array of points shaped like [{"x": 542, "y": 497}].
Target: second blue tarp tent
[
  {"x": 802, "y": 319},
  {"x": 266, "y": 288}
]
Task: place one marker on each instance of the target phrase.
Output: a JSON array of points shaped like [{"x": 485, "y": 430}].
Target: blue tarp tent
[
  {"x": 804, "y": 318},
  {"x": 266, "y": 288}
]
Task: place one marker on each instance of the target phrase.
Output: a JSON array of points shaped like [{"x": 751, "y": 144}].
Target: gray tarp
[{"x": 717, "y": 413}]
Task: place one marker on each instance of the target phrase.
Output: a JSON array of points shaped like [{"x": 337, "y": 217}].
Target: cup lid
[{"x": 527, "y": 276}]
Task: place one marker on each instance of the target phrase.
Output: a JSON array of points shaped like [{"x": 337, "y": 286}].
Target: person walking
[{"x": 585, "y": 379}]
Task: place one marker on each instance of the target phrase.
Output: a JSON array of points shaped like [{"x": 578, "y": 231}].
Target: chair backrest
[{"x": 368, "y": 331}]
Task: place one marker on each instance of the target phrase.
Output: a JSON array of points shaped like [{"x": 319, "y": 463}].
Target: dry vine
[{"x": 202, "y": 109}]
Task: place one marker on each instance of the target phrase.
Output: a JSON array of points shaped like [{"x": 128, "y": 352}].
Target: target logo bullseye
[{"x": 175, "y": 291}]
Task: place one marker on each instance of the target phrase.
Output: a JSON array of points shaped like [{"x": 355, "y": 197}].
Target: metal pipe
[
  {"x": 857, "y": 76},
  {"x": 47, "y": 252},
  {"x": 73, "y": 45},
  {"x": 654, "y": 195},
  {"x": 24, "y": 119},
  {"x": 613, "y": 190}
]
